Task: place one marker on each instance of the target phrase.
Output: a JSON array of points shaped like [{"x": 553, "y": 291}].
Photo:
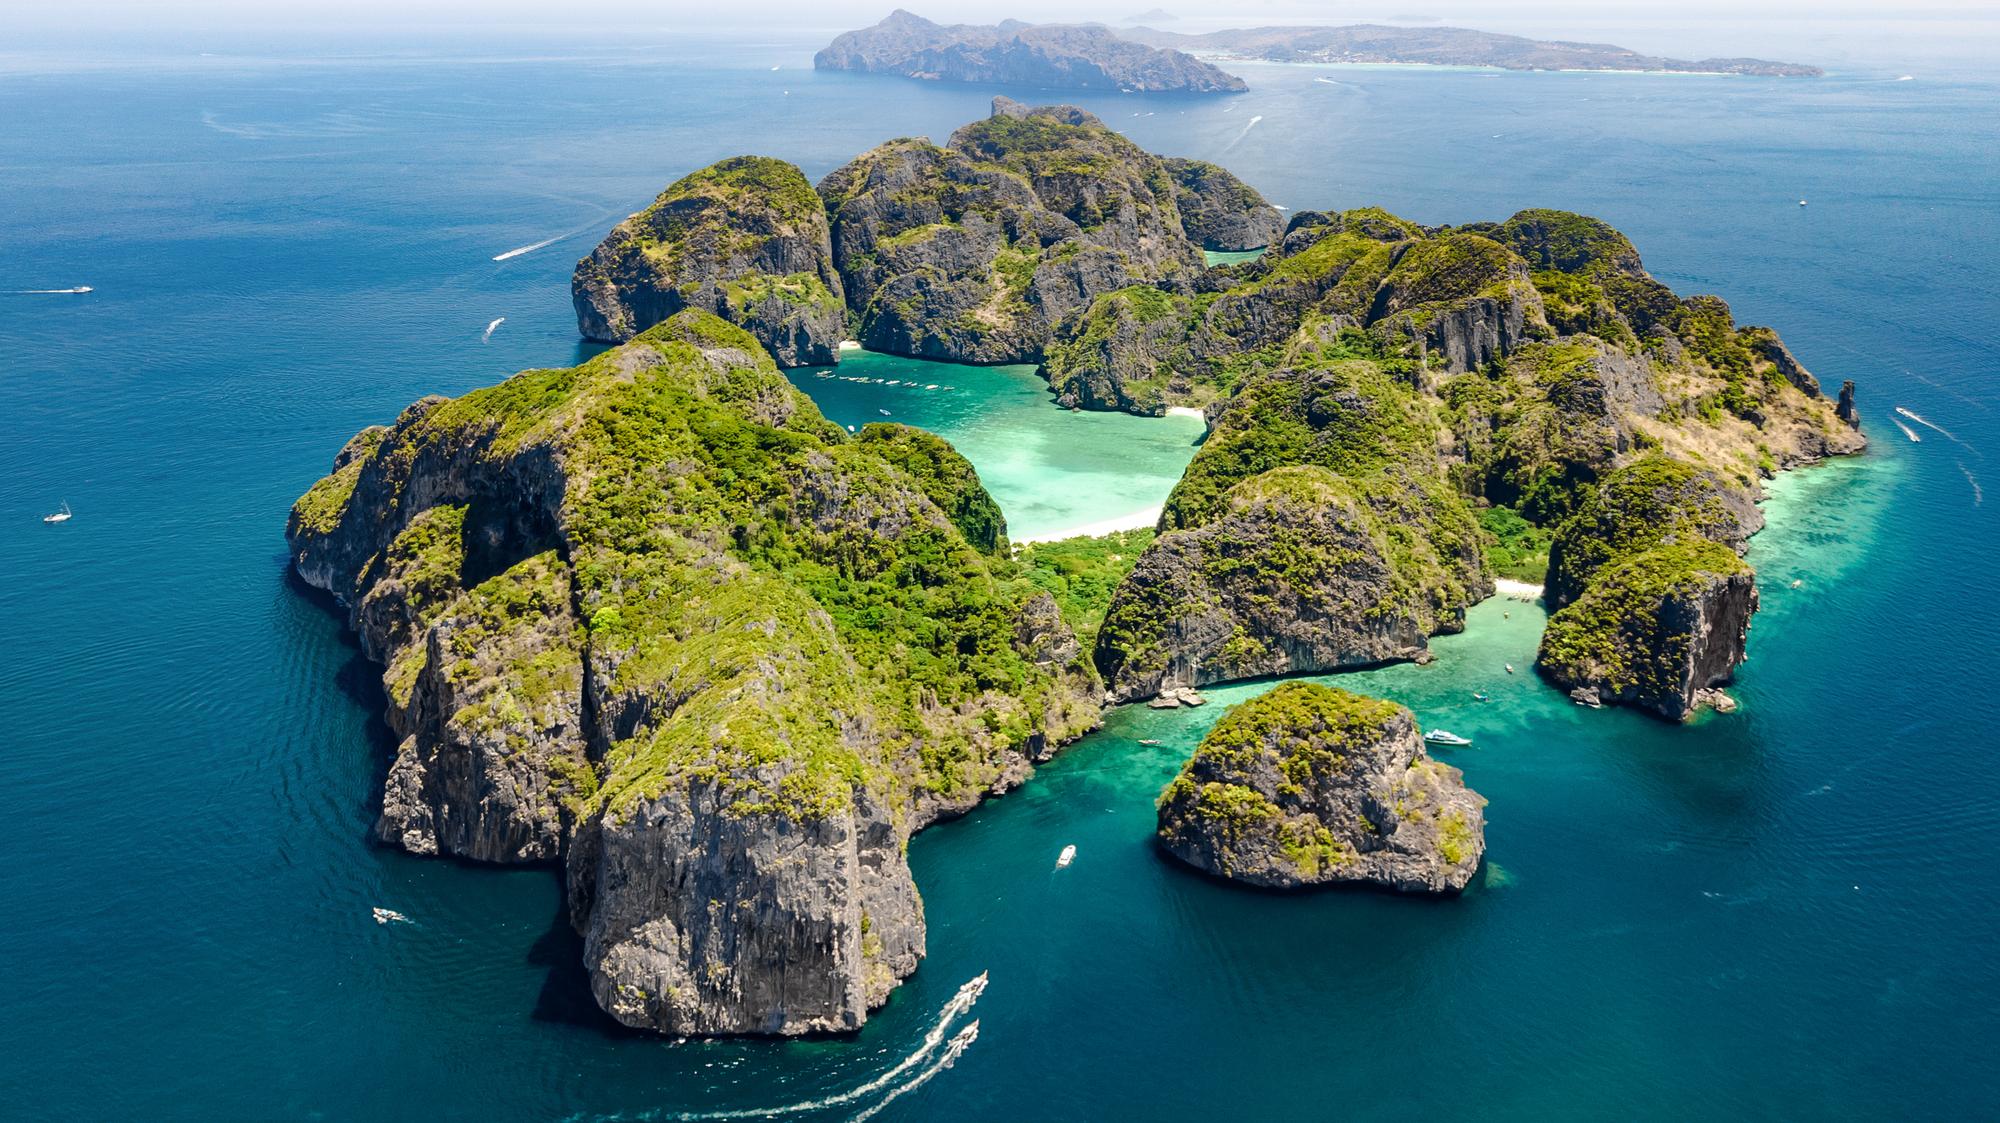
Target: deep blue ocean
[{"x": 1789, "y": 912}]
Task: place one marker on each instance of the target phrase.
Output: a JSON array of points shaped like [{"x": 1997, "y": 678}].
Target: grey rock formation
[
  {"x": 1302, "y": 572},
  {"x": 586, "y": 669},
  {"x": 1309, "y": 785},
  {"x": 746, "y": 239},
  {"x": 1221, "y": 212},
  {"x": 1651, "y": 502},
  {"x": 972, "y": 252},
  {"x": 1657, "y": 631},
  {"x": 1016, "y": 53}
]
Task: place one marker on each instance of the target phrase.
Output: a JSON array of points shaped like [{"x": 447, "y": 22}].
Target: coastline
[
  {"x": 1517, "y": 590},
  {"x": 1136, "y": 520}
]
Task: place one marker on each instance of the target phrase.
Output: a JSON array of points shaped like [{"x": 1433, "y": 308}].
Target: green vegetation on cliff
[
  {"x": 1616, "y": 634},
  {"x": 1081, "y": 573},
  {"x": 813, "y": 601}
]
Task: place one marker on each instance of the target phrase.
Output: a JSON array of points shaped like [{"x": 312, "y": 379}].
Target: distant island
[
  {"x": 1145, "y": 59},
  {"x": 1445, "y": 46},
  {"x": 1013, "y": 53}
]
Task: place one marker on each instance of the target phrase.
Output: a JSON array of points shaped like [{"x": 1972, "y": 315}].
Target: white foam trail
[
  {"x": 48, "y": 292},
  {"x": 1908, "y": 432},
  {"x": 1927, "y": 424},
  {"x": 488, "y": 337},
  {"x": 964, "y": 1000},
  {"x": 1251, "y": 124},
  {"x": 1978, "y": 496},
  {"x": 959, "y": 1043},
  {"x": 529, "y": 249}
]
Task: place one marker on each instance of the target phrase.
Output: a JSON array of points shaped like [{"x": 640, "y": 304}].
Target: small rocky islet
[
  {"x": 1310, "y": 785},
  {"x": 654, "y": 622}
]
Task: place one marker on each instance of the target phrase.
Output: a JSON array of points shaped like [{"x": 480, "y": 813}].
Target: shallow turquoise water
[
  {"x": 1051, "y": 470},
  {"x": 1786, "y": 912}
]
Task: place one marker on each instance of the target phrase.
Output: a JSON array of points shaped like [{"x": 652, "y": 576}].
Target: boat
[
  {"x": 389, "y": 916},
  {"x": 1446, "y": 738},
  {"x": 1067, "y": 856},
  {"x": 61, "y": 516},
  {"x": 883, "y": 412},
  {"x": 1149, "y": 740},
  {"x": 1509, "y": 666},
  {"x": 1478, "y": 697},
  {"x": 1802, "y": 202}
]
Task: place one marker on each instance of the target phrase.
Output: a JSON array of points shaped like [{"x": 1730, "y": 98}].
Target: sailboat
[{"x": 61, "y": 516}]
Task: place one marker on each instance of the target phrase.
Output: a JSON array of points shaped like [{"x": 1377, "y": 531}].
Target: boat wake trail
[
  {"x": 1246, "y": 132},
  {"x": 1927, "y": 424},
  {"x": 960, "y": 1041},
  {"x": 488, "y": 336},
  {"x": 546, "y": 242},
  {"x": 1978, "y": 496},
  {"x": 49, "y": 292},
  {"x": 963, "y": 1001},
  {"x": 1908, "y": 432}
]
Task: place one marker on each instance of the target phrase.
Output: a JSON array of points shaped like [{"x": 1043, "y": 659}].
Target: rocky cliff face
[
  {"x": 1301, "y": 571},
  {"x": 653, "y": 618},
  {"x": 1531, "y": 365},
  {"x": 1221, "y": 212},
  {"x": 1309, "y": 785},
  {"x": 746, "y": 239},
  {"x": 973, "y": 251},
  {"x": 1656, "y": 630},
  {"x": 1014, "y": 53}
]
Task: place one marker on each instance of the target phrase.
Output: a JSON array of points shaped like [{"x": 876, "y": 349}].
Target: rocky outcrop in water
[
  {"x": 1050, "y": 57},
  {"x": 1657, "y": 630},
  {"x": 1309, "y": 785},
  {"x": 655, "y": 620},
  {"x": 745, "y": 239},
  {"x": 971, "y": 252},
  {"x": 1650, "y": 597}
]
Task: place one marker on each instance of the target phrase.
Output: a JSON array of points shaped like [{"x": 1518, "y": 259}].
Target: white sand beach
[
  {"x": 1137, "y": 520},
  {"x": 1517, "y": 590}
]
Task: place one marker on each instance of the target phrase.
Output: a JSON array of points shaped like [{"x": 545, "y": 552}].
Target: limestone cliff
[
  {"x": 971, "y": 252},
  {"x": 1531, "y": 368},
  {"x": 654, "y": 619},
  {"x": 1221, "y": 212},
  {"x": 746, "y": 239},
  {"x": 1315, "y": 529},
  {"x": 1309, "y": 785},
  {"x": 1656, "y": 630}
]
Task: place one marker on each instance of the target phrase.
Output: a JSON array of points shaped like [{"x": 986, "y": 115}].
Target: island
[
  {"x": 1442, "y": 46},
  {"x": 655, "y": 623},
  {"x": 1308, "y": 785},
  {"x": 1012, "y": 53}
]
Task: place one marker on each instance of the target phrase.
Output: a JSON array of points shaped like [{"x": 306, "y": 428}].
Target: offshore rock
[
  {"x": 1309, "y": 785},
  {"x": 746, "y": 239},
  {"x": 1655, "y": 631}
]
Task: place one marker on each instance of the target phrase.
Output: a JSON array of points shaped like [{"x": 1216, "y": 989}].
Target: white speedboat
[
  {"x": 389, "y": 916},
  {"x": 61, "y": 516},
  {"x": 1446, "y": 738},
  {"x": 1067, "y": 856}
]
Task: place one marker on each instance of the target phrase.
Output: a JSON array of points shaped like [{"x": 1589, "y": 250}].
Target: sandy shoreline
[
  {"x": 1137, "y": 520},
  {"x": 1516, "y": 590},
  {"x": 1185, "y": 411}
]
